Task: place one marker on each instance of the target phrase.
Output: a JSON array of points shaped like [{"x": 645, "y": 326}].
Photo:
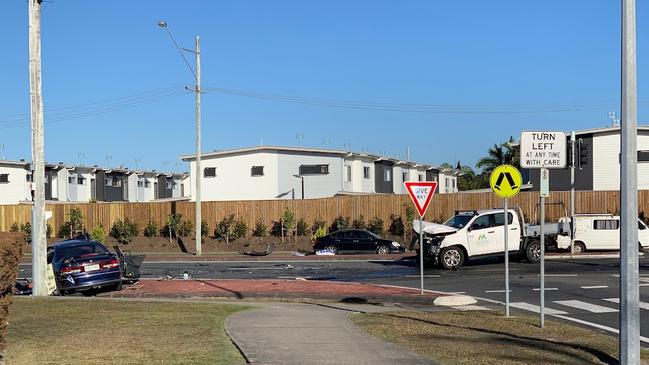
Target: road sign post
[
  {"x": 506, "y": 182},
  {"x": 543, "y": 150},
  {"x": 421, "y": 193}
]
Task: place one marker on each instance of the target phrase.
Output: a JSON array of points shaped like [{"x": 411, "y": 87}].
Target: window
[
  {"x": 421, "y": 177},
  {"x": 366, "y": 172},
  {"x": 4, "y": 178},
  {"x": 499, "y": 219},
  {"x": 348, "y": 170},
  {"x": 387, "y": 175},
  {"x": 606, "y": 224},
  {"x": 81, "y": 180},
  {"x": 147, "y": 183},
  {"x": 453, "y": 181},
  {"x": 643, "y": 156},
  {"x": 108, "y": 181},
  {"x": 404, "y": 176},
  {"x": 117, "y": 183},
  {"x": 257, "y": 171},
  {"x": 314, "y": 169},
  {"x": 140, "y": 183},
  {"x": 28, "y": 178},
  {"x": 482, "y": 222},
  {"x": 169, "y": 186},
  {"x": 70, "y": 179},
  {"x": 209, "y": 172}
]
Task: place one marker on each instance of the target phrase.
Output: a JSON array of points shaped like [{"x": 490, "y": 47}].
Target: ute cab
[{"x": 470, "y": 234}]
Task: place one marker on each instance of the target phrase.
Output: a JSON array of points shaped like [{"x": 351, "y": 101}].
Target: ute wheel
[
  {"x": 383, "y": 250},
  {"x": 580, "y": 247},
  {"x": 451, "y": 257},
  {"x": 533, "y": 252},
  {"x": 332, "y": 248}
]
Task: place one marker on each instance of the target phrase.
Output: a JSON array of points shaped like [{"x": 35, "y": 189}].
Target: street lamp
[
  {"x": 301, "y": 177},
  {"x": 197, "y": 74}
]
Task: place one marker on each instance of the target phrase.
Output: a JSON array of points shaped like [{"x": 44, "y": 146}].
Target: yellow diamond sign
[{"x": 506, "y": 181}]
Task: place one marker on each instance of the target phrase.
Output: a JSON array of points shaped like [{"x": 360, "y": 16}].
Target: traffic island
[
  {"x": 275, "y": 289},
  {"x": 488, "y": 337}
]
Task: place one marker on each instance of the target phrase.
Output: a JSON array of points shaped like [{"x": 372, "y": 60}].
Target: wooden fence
[{"x": 369, "y": 206}]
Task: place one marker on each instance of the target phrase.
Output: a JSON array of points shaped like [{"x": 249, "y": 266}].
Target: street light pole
[
  {"x": 197, "y": 90},
  {"x": 39, "y": 243},
  {"x": 629, "y": 270}
]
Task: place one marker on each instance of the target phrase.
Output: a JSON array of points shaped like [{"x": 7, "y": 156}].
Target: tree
[{"x": 499, "y": 154}]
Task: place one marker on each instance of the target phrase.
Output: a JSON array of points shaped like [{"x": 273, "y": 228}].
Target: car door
[
  {"x": 345, "y": 242},
  {"x": 367, "y": 242},
  {"x": 481, "y": 235},
  {"x": 513, "y": 234}
]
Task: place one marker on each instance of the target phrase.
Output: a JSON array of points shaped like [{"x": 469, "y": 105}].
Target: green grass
[
  {"x": 54, "y": 331},
  {"x": 490, "y": 338}
]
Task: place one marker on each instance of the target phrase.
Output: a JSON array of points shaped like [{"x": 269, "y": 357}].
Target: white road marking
[
  {"x": 426, "y": 276},
  {"x": 546, "y": 289},
  {"x": 595, "y": 287},
  {"x": 496, "y": 291},
  {"x": 593, "y": 308},
  {"x": 645, "y": 284},
  {"x": 457, "y": 292},
  {"x": 559, "y": 275},
  {"x": 535, "y": 308},
  {"x": 605, "y": 328},
  {"x": 643, "y": 305}
]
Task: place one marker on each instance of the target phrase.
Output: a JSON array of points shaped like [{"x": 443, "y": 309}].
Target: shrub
[
  {"x": 261, "y": 229},
  {"x": 172, "y": 226},
  {"x": 288, "y": 220},
  {"x": 375, "y": 225},
  {"x": 321, "y": 231},
  {"x": 151, "y": 229},
  {"x": 359, "y": 223},
  {"x": 124, "y": 231},
  {"x": 276, "y": 229},
  {"x": 396, "y": 225},
  {"x": 98, "y": 234},
  {"x": 302, "y": 227},
  {"x": 48, "y": 230},
  {"x": 27, "y": 230},
  {"x": 185, "y": 229},
  {"x": 240, "y": 230},
  {"x": 225, "y": 229},
  {"x": 14, "y": 228},
  {"x": 409, "y": 214},
  {"x": 73, "y": 225},
  {"x": 318, "y": 223},
  {"x": 205, "y": 229},
  {"x": 339, "y": 224}
]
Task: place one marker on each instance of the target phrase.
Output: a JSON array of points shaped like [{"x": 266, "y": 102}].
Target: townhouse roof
[
  {"x": 310, "y": 150},
  {"x": 94, "y": 168}
]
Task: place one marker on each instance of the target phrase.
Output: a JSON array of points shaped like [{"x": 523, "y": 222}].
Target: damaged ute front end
[{"x": 433, "y": 235}]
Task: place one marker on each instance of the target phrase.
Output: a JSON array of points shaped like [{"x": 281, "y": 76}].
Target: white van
[{"x": 598, "y": 232}]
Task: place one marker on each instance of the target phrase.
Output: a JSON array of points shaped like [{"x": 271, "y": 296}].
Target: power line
[{"x": 397, "y": 107}]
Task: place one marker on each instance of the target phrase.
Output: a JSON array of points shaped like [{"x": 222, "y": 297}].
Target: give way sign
[{"x": 421, "y": 192}]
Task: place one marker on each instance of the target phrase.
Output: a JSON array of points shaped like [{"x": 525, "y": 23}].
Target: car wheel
[
  {"x": 451, "y": 257},
  {"x": 332, "y": 248},
  {"x": 383, "y": 250},
  {"x": 579, "y": 247},
  {"x": 533, "y": 252},
  {"x": 117, "y": 287}
]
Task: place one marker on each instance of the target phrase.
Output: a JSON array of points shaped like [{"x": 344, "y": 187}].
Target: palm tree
[{"x": 499, "y": 154}]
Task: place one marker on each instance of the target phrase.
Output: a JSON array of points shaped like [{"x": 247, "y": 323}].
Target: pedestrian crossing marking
[
  {"x": 593, "y": 308},
  {"x": 535, "y": 308},
  {"x": 643, "y": 305}
]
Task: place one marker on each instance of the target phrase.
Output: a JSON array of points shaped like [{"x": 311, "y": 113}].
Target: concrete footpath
[{"x": 297, "y": 334}]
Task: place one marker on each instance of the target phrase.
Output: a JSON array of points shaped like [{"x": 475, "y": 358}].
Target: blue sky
[{"x": 557, "y": 61}]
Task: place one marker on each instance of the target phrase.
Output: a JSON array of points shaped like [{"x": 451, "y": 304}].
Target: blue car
[{"x": 84, "y": 266}]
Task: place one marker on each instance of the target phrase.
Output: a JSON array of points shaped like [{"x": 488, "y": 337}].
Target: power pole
[
  {"x": 39, "y": 243},
  {"x": 198, "y": 148},
  {"x": 629, "y": 270}
]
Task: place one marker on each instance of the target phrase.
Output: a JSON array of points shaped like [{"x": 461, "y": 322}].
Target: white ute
[
  {"x": 471, "y": 234},
  {"x": 600, "y": 232}
]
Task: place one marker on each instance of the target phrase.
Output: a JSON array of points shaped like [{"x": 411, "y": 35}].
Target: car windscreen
[
  {"x": 458, "y": 221},
  {"x": 80, "y": 251}
]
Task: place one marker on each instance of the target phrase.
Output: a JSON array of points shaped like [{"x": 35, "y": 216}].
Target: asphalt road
[{"x": 584, "y": 291}]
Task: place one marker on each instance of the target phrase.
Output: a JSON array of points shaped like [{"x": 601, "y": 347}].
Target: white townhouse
[
  {"x": 15, "y": 182},
  {"x": 270, "y": 172},
  {"x": 597, "y": 161}
]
